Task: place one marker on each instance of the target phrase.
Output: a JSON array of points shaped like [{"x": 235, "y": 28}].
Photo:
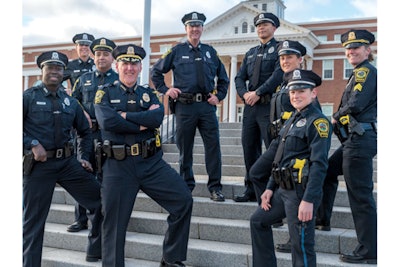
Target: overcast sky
[{"x": 48, "y": 21}]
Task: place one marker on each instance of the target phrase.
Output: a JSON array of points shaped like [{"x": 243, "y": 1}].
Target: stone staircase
[{"x": 219, "y": 234}]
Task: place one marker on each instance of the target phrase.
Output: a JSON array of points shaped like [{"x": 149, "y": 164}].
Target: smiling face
[
  {"x": 300, "y": 98},
  {"x": 357, "y": 55},
  {"x": 128, "y": 72},
  {"x": 290, "y": 62},
  {"x": 52, "y": 75},
  {"x": 103, "y": 60},
  {"x": 194, "y": 33},
  {"x": 83, "y": 51}
]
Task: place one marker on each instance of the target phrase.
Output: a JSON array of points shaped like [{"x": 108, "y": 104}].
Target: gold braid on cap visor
[
  {"x": 131, "y": 58},
  {"x": 356, "y": 41}
]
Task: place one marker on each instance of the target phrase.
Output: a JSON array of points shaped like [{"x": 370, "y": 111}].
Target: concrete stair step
[{"x": 68, "y": 249}]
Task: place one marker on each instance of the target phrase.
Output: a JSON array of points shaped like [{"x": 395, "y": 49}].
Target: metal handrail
[{"x": 167, "y": 128}]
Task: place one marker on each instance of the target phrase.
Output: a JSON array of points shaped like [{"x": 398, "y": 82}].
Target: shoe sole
[
  {"x": 92, "y": 259},
  {"x": 365, "y": 261},
  {"x": 76, "y": 230},
  {"x": 323, "y": 228}
]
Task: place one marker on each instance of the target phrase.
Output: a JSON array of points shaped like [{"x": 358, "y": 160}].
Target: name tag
[
  {"x": 115, "y": 101},
  {"x": 41, "y": 103}
]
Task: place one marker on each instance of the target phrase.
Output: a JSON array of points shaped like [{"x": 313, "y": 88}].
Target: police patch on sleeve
[
  {"x": 322, "y": 127},
  {"x": 99, "y": 96},
  {"x": 361, "y": 74}
]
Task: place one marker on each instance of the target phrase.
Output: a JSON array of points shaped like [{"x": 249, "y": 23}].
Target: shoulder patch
[
  {"x": 322, "y": 127},
  {"x": 99, "y": 96},
  {"x": 167, "y": 53},
  {"x": 361, "y": 74}
]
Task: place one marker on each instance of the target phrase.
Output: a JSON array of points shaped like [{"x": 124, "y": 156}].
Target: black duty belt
[
  {"x": 59, "y": 153},
  {"x": 146, "y": 149},
  {"x": 95, "y": 125},
  {"x": 187, "y": 98}
]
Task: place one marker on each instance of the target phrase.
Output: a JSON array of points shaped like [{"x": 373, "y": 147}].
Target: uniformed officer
[
  {"x": 84, "y": 62},
  {"x": 195, "y": 66},
  {"x": 49, "y": 113},
  {"x": 357, "y": 115},
  {"x": 129, "y": 116},
  {"x": 298, "y": 170},
  {"x": 260, "y": 67},
  {"x": 84, "y": 90}
]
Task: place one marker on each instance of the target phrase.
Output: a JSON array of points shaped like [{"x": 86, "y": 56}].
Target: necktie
[
  {"x": 199, "y": 70},
  {"x": 101, "y": 78},
  {"x": 131, "y": 106},
  {"x": 57, "y": 111},
  {"x": 257, "y": 67}
]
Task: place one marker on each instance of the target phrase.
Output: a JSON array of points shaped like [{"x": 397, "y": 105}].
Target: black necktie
[
  {"x": 199, "y": 70},
  {"x": 101, "y": 78},
  {"x": 57, "y": 111},
  {"x": 257, "y": 67},
  {"x": 131, "y": 106}
]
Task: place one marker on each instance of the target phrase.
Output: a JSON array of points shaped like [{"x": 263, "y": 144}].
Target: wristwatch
[{"x": 34, "y": 143}]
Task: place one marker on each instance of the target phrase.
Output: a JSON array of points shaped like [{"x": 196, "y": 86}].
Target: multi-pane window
[
  {"x": 244, "y": 27},
  {"x": 327, "y": 69},
  {"x": 348, "y": 69}
]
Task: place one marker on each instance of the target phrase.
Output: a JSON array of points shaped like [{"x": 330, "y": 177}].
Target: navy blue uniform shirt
[
  {"x": 39, "y": 119},
  {"x": 271, "y": 74},
  {"x": 86, "y": 87},
  {"x": 76, "y": 68},
  {"x": 113, "y": 99},
  {"x": 360, "y": 95},
  {"x": 309, "y": 138},
  {"x": 181, "y": 60}
]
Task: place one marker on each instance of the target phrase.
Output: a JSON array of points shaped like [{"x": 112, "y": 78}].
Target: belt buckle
[
  {"x": 59, "y": 153},
  {"x": 198, "y": 97},
  {"x": 135, "y": 149}
]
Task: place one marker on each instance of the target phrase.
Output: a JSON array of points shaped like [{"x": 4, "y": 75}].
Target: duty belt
[
  {"x": 187, "y": 98},
  {"x": 95, "y": 125},
  {"x": 265, "y": 99},
  {"x": 59, "y": 153}
]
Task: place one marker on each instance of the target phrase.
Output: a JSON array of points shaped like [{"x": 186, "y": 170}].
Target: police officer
[
  {"x": 260, "y": 67},
  {"x": 298, "y": 169},
  {"x": 129, "y": 116},
  {"x": 357, "y": 115},
  {"x": 84, "y": 90},
  {"x": 49, "y": 113},
  {"x": 84, "y": 62},
  {"x": 195, "y": 65}
]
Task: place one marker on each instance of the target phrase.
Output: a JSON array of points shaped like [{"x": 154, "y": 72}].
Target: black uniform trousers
[
  {"x": 255, "y": 130},
  {"x": 284, "y": 203},
  {"x": 38, "y": 188},
  {"x": 260, "y": 172},
  {"x": 358, "y": 154},
  {"x": 200, "y": 115},
  {"x": 324, "y": 212},
  {"x": 80, "y": 211},
  {"x": 122, "y": 180}
]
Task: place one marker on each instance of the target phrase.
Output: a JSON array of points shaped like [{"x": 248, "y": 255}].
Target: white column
[
  {"x": 26, "y": 81},
  {"x": 232, "y": 91},
  {"x": 146, "y": 42}
]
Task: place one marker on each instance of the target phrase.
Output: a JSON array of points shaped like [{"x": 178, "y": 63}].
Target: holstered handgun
[
  {"x": 341, "y": 131},
  {"x": 28, "y": 162},
  {"x": 352, "y": 123},
  {"x": 172, "y": 104},
  {"x": 98, "y": 153}
]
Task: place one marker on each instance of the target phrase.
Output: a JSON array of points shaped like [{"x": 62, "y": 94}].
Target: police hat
[
  {"x": 103, "y": 44},
  {"x": 52, "y": 57},
  {"x": 291, "y": 47},
  {"x": 129, "y": 53},
  {"x": 300, "y": 79},
  {"x": 356, "y": 38},
  {"x": 194, "y": 19},
  {"x": 267, "y": 17},
  {"x": 83, "y": 39}
]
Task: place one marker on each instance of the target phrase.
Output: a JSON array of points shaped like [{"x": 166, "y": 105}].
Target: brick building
[{"x": 232, "y": 33}]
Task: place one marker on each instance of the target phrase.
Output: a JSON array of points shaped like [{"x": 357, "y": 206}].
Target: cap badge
[
  {"x": 130, "y": 51},
  {"x": 103, "y": 42},
  {"x": 261, "y": 16},
  {"x": 296, "y": 74},
  {"x": 285, "y": 44},
  {"x": 351, "y": 36},
  {"x": 194, "y": 16},
  {"x": 55, "y": 56},
  {"x": 85, "y": 37}
]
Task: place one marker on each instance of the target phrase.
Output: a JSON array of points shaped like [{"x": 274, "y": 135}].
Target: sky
[{"x": 47, "y": 21}]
